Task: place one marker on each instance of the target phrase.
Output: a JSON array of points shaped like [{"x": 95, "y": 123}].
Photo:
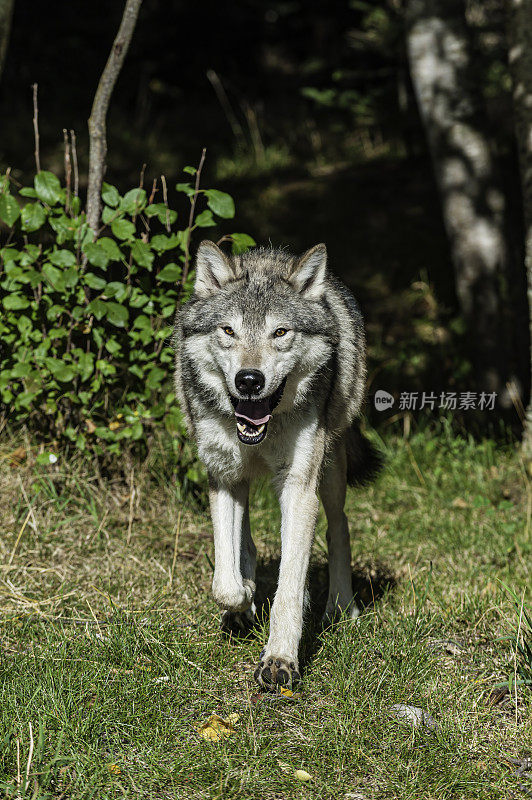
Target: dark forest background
[{"x": 309, "y": 119}]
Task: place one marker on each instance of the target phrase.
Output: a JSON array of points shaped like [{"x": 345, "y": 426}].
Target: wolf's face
[{"x": 257, "y": 323}]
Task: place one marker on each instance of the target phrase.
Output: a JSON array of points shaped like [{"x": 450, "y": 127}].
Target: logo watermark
[{"x": 447, "y": 401}]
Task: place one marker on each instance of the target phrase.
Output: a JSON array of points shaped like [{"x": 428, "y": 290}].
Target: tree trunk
[
  {"x": 473, "y": 205},
  {"x": 520, "y": 57},
  {"x": 6, "y": 14},
  {"x": 97, "y": 129}
]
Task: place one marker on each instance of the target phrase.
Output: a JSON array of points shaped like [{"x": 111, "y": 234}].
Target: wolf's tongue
[{"x": 255, "y": 411}]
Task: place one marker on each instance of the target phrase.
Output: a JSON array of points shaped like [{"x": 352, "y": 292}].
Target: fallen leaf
[
  {"x": 215, "y": 728},
  {"x": 448, "y": 645},
  {"x": 302, "y": 775},
  {"x": 17, "y": 457},
  {"x": 113, "y": 426},
  {"x": 91, "y": 427},
  {"x": 286, "y": 692},
  {"x": 458, "y": 502},
  {"x": 497, "y": 695},
  {"x": 415, "y": 715},
  {"x": 114, "y": 769}
]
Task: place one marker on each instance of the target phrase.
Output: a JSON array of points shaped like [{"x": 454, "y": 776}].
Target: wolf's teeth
[
  {"x": 241, "y": 428},
  {"x": 260, "y": 428}
]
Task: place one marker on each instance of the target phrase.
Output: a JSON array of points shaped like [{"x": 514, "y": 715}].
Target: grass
[{"x": 111, "y": 655}]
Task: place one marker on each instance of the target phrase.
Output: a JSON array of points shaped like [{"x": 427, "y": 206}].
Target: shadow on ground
[{"x": 370, "y": 582}]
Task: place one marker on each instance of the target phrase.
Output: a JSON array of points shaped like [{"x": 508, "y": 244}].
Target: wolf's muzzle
[{"x": 253, "y": 416}]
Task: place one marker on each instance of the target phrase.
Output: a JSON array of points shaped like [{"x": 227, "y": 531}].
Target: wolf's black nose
[{"x": 249, "y": 381}]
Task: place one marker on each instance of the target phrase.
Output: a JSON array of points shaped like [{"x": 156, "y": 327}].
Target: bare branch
[
  {"x": 97, "y": 127},
  {"x": 75, "y": 162},
  {"x": 165, "y": 201},
  {"x": 68, "y": 169},
  {"x": 36, "y": 127},
  {"x": 191, "y": 217}
]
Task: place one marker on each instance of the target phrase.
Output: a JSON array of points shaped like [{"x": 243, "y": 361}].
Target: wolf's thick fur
[{"x": 289, "y": 321}]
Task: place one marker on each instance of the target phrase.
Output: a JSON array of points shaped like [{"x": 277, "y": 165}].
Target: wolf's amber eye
[
  {"x": 228, "y": 330},
  {"x": 280, "y": 332}
]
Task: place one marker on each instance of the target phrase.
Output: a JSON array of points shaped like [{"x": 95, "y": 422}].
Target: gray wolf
[{"x": 270, "y": 374}]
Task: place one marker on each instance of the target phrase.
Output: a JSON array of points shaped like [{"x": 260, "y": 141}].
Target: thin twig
[
  {"x": 97, "y": 129},
  {"x": 191, "y": 217},
  {"x": 75, "y": 162},
  {"x": 36, "y": 127},
  {"x": 221, "y": 94},
  {"x": 165, "y": 201},
  {"x": 21, "y": 531},
  {"x": 177, "y": 530},
  {"x": 141, "y": 179},
  {"x": 131, "y": 502},
  {"x": 30, "y": 757},
  {"x": 68, "y": 169},
  {"x": 30, "y": 507},
  {"x": 19, "y": 778},
  {"x": 153, "y": 190}
]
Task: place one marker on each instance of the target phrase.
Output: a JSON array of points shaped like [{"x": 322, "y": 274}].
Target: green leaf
[
  {"x": 220, "y": 203},
  {"x": 205, "y": 219},
  {"x": 54, "y": 312},
  {"x": 98, "y": 308},
  {"x": 133, "y": 201},
  {"x": 59, "y": 370},
  {"x": 85, "y": 365},
  {"x": 96, "y": 254},
  {"x": 159, "y": 210},
  {"x": 123, "y": 229},
  {"x": 116, "y": 289},
  {"x": 48, "y": 188},
  {"x": 109, "y": 214},
  {"x": 14, "y": 302},
  {"x": 187, "y": 188},
  {"x": 190, "y": 170},
  {"x": 94, "y": 281},
  {"x": 32, "y": 217},
  {"x": 27, "y": 191},
  {"x": 62, "y": 258},
  {"x": 111, "y": 248},
  {"x": 241, "y": 243},
  {"x": 170, "y": 273},
  {"x": 142, "y": 254},
  {"x": 161, "y": 242},
  {"x": 110, "y": 195},
  {"x": 54, "y": 277},
  {"x": 9, "y": 210},
  {"x": 155, "y": 376},
  {"x": 142, "y": 322},
  {"x": 116, "y": 314}
]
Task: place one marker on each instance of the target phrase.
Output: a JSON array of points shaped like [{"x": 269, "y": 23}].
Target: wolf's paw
[
  {"x": 238, "y": 624},
  {"x": 234, "y": 597},
  {"x": 274, "y": 672},
  {"x": 334, "y": 611}
]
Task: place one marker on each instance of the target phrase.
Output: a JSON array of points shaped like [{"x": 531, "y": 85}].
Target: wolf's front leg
[
  {"x": 233, "y": 585},
  {"x": 279, "y": 663}
]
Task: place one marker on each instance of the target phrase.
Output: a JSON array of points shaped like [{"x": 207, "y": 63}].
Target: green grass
[{"x": 111, "y": 650}]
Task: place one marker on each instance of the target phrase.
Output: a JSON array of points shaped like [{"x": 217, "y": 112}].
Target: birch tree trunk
[
  {"x": 520, "y": 57},
  {"x": 472, "y": 203},
  {"x": 97, "y": 119},
  {"x": 6, "y": 14}
]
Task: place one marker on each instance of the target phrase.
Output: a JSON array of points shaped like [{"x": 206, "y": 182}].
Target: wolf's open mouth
[{"x": 252, "y": 416}]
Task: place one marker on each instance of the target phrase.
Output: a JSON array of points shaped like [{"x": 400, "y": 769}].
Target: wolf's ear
[
  {"x": 213, "y": 269},
  {"x": 308, "y": 274}
]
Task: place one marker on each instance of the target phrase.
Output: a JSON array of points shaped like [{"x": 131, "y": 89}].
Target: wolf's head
[{"x": 257, "y": 324}]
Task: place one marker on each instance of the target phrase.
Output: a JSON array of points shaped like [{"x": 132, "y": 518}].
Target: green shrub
[{"x": 85, "y": 324}]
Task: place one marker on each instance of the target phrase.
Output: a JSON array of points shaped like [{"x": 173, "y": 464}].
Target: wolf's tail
[{"x": 364, "y": 461}]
